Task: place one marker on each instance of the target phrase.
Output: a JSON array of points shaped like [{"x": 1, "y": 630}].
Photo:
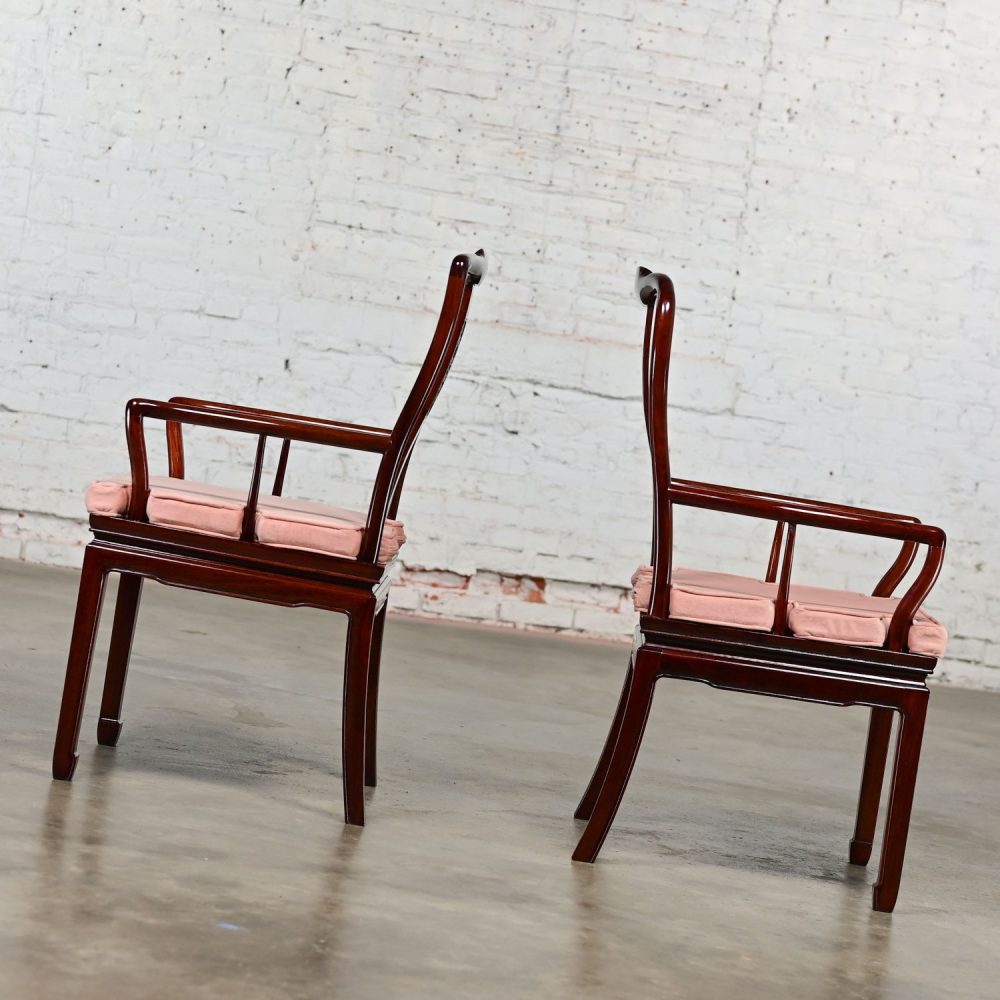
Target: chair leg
[
  {"x": 879, "y": 730},
  {"x": 360, "y": 633},
  {"x": 371, "y": 705},
  {"x": 897, "y": 824},
  {"x": 636, "y": 712},
  {"x": 109, "y": 725},
  {"x": 586, "y": 805},
  {"x": 81, "y": 651}
]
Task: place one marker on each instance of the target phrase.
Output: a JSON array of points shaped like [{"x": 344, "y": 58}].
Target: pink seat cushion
[
  {"x": 176, "y": 503},
  {"x": 714, "y": 598},
  {"x": 813, "y": 612},
  {"x": 218, "y": 511},
  {"x": 317, "y": 527}
]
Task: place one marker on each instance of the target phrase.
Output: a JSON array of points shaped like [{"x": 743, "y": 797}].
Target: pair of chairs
[{"x": 763, "y": 636}]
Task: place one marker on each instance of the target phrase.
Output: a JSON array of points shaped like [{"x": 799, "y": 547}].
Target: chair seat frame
[
  {"x": 889, "y": 680},
  {"x": 138, "y": 550}
]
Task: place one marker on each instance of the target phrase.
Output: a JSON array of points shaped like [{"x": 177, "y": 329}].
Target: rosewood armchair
[
  {"x": 249, "y": 544},
  {"x": 772, "y": 636}
]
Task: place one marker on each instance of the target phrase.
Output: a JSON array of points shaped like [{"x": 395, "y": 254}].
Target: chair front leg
[
  {"x": 626, "y": 749},
  {"x": 360, "y": 635},
  {"x": 879, "y": 731},
  {"x": 904, "y": 777},
  {"x": 81, "y": 652},
  {"x": 371, "y": 705},
  {"x": 109, "y": 725},
  {"x": 586, "y": 804}
]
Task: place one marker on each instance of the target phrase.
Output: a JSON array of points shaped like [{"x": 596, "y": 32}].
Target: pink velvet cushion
[
  {"x": 813, "y": 612},
  {"x": 218, "y": 510},
  {"x": 714, "y": 598},
  {"x": 317, "y": 527},
  {"x": 176, "y": 503}
]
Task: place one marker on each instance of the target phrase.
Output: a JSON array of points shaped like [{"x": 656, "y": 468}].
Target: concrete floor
[{"x": 207, "y": 857}]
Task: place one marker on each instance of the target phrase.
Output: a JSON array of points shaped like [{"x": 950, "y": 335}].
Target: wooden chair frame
[
  {"x": 137, "y": 549},
  {"x": 888, "y": 680}
]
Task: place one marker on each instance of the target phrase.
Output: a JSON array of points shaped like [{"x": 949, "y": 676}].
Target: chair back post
[
  {"x": 656, "y": 293},
  {"x": 467, "y": 271}
]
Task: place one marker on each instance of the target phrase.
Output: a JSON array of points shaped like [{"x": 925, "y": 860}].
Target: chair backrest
[
  {"x": 656, "y": 292},
  {"x": 467, "y": 270}
]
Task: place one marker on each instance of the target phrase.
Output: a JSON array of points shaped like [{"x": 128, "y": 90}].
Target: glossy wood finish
[
  {"x": 109, "y": 725},
  {"x": 358, "y": 588},
  {"x": 876, "y": 753},
  {"x": 890, "y": 680}
]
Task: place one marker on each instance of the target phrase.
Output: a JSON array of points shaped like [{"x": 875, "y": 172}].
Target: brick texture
[{"x": 201, "y": 197}]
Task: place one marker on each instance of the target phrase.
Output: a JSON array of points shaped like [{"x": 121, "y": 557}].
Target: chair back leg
[
  {"x": 109, "y": 725},
  {"x": 626, "y": 749},
  {"x": 360, "y": 636},
  {"x": 81, "y": 652},
  {"x": 876, "y": 753},
  {"x": 913, "y": 712}
]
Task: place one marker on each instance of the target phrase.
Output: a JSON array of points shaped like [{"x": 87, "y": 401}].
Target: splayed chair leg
[
  {"x": 586, "y": 805},
  {"x": 109, "y": 725},
  {"x": 81, "y": 651},
  {"x": 634, "y": 716}
]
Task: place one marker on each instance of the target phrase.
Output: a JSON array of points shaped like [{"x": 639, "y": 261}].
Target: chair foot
[
  {"x": 638, "y": 701},
  {"x": 108, "y": 731},
  {"x": 860, "y": 852},
  {"x": 883, "y": 901},
  {"x": 586, "y": 804},
  {"x": 63, "y": 767}
]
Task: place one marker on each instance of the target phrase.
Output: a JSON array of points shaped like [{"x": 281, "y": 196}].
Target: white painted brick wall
[{"x": 197, "y": 197}]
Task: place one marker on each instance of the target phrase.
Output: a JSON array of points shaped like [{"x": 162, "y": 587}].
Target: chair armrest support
[
  {"x": 916, "y": 594},
  {"x": 890, "y": 579},
  {"x": 241, "y": 419},
  {"x": 836, "y": 517}
]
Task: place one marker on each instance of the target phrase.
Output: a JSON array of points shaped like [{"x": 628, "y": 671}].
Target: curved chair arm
[
  {"x": 814, "y": 513},
  {"x": 916, "y": 594},
  {"x": 241, "y": 420},
  {"x": 835, "y": 517},
  {"x": 684, "y": 487},
  {"x": 890, "y": 579}
]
